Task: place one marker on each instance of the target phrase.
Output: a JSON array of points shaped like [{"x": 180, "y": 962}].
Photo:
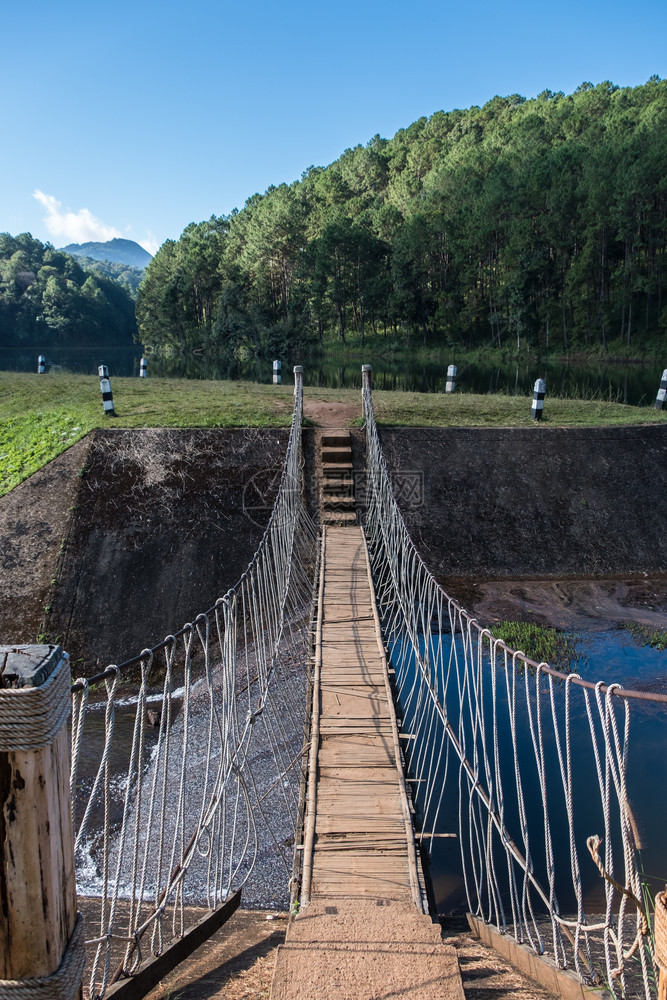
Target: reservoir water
[
  {"x": 611, "y": 655},
  {"x": 633, "y": 384}
]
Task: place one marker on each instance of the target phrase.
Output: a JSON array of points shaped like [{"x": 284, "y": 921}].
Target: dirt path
[
  {"x": 235, "y": 964},
  {"x": 238, "y": 962},
  {"x": 325, "y": 414}
]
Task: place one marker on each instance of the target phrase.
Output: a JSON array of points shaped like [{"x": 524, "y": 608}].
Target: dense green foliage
[
  {"x": 130, "y": 277},
  {"x": 47, "y": 299},
  {"x": 535, "y": 224}
]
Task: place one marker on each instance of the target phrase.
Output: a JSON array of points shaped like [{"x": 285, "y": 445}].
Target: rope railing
[
  {"x": 531, "y": 766},
  {"x": 185, "y": 789}
]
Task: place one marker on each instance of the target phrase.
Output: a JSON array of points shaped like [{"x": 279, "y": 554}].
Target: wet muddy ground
[{"x": 567, "y": 605}]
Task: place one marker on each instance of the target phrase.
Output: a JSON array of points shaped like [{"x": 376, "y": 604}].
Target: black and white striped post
[
  {"x": 451, "y": 378},
  {"x": 538, "y": 399},
  {"x": 41, "y": 364},
  {"x": 105, "y": 389},
  {"x": 143, "y": 368},
  {"x": 662, "y": 392},
  {"x": 277, "y": 378}
]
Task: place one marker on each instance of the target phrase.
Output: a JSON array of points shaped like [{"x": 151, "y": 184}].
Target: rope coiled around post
[
  {"x": 63, "y": 984},
  {"x": 32, "y": 717}
]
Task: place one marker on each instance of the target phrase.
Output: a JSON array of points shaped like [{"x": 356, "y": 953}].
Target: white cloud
[
  {"x": 73, "y": 227},
  {"x": 150, "y": 243}
]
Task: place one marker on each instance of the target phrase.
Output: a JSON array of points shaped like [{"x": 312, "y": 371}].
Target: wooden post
[
  {"x": 365, "y": 377},
  {"x": 40, "y": 934},
  {"x": 660, "y": 931}
]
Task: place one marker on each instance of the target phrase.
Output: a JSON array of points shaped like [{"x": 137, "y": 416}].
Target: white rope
[
  {"x": 197, "y": 801},
  {"x": 63, "y": 984},
  {"x": 32, "y": 717},
  {"x": 511, "y": 724}
]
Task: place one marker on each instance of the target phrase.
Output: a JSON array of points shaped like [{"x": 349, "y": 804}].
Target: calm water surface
[
  {"x": 635, "y": 385},
  {"x": 612, "y": 655}
]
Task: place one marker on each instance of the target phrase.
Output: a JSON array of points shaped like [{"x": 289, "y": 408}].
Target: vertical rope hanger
[
  {"x": 186, "y": 827},
  {"x": 457, "y": 673}
]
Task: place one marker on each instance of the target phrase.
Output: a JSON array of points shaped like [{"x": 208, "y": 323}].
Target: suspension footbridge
[{"x": 323, "y": 723}]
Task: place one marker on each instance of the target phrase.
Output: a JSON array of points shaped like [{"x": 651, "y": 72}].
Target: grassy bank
[{"x": 41, "y": 416}]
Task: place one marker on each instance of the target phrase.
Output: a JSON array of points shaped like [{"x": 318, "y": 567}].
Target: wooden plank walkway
[
  {"x": 361, "y": 933},
  {"x": 359, "y": 840}
]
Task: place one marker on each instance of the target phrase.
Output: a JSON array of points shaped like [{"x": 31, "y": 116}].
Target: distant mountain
[{"x": 117, "y": 251}]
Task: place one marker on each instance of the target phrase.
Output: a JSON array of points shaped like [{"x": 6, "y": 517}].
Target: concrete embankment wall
[
  {"x": 535, "y": 502},
  {"x": 133, "y": 534},
  {"x": 141, "y": 530}
]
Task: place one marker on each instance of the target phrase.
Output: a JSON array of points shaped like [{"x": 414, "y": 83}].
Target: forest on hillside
[
  {"x": 535, "y": 223},
  {"x": 47, "y": 299}
]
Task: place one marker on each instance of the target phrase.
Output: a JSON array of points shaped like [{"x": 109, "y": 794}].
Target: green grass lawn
[{"x": 42, "y": 415}]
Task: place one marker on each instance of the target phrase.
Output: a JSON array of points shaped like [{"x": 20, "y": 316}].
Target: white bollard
[
  {"x": 41, "y": 365},
  {"x": 662, "y": 392},
  {"x": 538, "y": 399},
  {"x": 105, "y": 389},
  {"x": 451, "y": 378},
  {"x": 277, "y": 378},
  {"x": 143, "y": 368}
]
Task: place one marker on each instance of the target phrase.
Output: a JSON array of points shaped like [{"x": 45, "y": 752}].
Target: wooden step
[
  {"x": 336, "y": 439},
  {"x": 330, "y": 455},
  {"x": 337, "y": 469},
  {"x": 337, "y": 484}
]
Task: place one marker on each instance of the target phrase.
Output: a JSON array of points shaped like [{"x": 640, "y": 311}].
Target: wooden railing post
[
  {"x": 660, "y": 932},
  {"x": 41, "y": 939}
]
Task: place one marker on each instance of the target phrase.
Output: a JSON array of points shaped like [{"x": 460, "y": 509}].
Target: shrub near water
[
  {"x": 542, "y": 644},
  {"x": 646, "y": 636}
]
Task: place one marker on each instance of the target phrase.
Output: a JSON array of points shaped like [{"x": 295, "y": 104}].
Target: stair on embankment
[{"x": 337, "y": 497}]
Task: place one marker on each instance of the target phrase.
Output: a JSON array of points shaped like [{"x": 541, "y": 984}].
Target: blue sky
[{"x": 135, "y": 118}]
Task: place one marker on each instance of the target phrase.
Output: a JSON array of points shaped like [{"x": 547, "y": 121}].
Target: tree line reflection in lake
[{"x": 633, "y": 384}]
